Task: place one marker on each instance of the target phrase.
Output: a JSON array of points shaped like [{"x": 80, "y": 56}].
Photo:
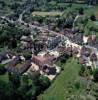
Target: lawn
[
  {"x": 52, "y": 13},
  {"x": 60, "y": 87},
  {"x": 19, "y": 65}
]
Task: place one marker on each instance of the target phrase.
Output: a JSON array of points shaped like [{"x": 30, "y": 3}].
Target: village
[{"x": 48, "y": 48}]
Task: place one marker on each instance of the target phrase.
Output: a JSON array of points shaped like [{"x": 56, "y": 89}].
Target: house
[
  {"x": 85, "y": 51},
  {"x": 69, "y": 50},
  {"x": 43, "y": 38},
  {"x": 75, "y": 50},
  {"x": 38, "y": 45},
  {"x": 49, "y": 70},
  {"x": 16, "y": 60},
  {"x": 18, "y": 65},
  {"x": 61, "y": 49},
  {"x": 85, "y": 39},
  {"x": 33, "y": 68},
  {"x": 94, "y": 61},
  {"x": 69, "y": 33},
  {"x": 96, "y": 45},
  {"x": 78, "y": 38},
  {"x": 5, "y": 57},
  {"x": 34, "y": 74},
  {"x": 93, "y": 57},
  {"x": 11, "y": 65},
  {"x": 91, "y": 40},
  {"x": 25, "y": 67},
  {"x": 26, "y": 38},
  {"x": 26, "y": 41},
  {"x": 42, "y": 60},
  {"x": 54, "y": 53},
  {"x": 51, "y": 26},
  {"x": 81, "y": 60},
  {"x": 53, "y": 42},
  {"x": 36, "y": 23}
]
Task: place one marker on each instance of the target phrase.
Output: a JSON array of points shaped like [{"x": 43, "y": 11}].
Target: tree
[
  {"x": 93, "y": 17},
  {"x": 44, "y": 82},
  {"x": 24, "y": 91},
  {"x": 25, "y": 81},
  {"x": 2, "y": 69},
  {"x": 14, "y": 80},
  {"x": 6, "y": 91},
  {"x": 13, "y": 43},
  {"x": 81, "y": 11},
  {"x": 91, "y": 2},
  {"x": 82, "y": 70},
  {"x": 95, "y": 74},
  {"x": 10, "y": 32}
]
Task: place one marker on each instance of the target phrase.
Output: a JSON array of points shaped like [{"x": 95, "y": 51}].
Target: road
[{"x": 27, "y": 24}]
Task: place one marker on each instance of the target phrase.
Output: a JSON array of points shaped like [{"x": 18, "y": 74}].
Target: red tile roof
[{"x": 41, "y": 60}]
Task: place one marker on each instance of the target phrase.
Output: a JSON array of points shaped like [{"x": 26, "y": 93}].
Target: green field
[
  {"x": 66, "y": 80},
  {"x": 92, "y": 10}
]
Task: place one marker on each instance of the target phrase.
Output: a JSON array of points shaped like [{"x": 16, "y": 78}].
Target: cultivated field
[{"x": 38, "y": 13}]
